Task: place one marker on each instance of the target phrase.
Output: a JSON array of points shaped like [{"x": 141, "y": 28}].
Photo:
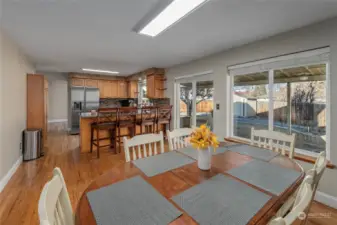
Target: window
[{"x": 287, "y": 98}]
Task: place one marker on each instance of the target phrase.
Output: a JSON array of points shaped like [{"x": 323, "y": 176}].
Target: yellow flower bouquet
[{"x": 203, "y": 138}]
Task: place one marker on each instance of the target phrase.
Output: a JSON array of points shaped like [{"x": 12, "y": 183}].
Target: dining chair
[
  {"x": 137, "y": 146},
  {"x": 275, "y": 141},
  {"x": 54, "y": 204},
  {"x": 316, "y": 172},
  {"x": 177, "y": 138},
  {"x": 301, "y": 204}
]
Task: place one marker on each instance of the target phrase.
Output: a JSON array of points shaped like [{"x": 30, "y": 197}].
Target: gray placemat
[
  {"x": 131, "y": 202},
  {"x": 255, "y": 152},
  {"x": 193, "y": 153},
  {"x": 221, "y": 200},
  {"x": 266, "y": 176},
  {"x": 161, "y": 163}
]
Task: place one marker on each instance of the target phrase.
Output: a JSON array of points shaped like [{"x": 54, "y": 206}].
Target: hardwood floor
[{"x": 18, "y": 201}]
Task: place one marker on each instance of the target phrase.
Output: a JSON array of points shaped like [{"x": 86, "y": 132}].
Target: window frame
[{"x": 270, "y": 96}]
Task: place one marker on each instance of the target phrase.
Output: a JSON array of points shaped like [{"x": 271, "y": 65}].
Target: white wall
[
  {"x": 13, "y": 86},
  {"x": 314, "y": 36},
  {"x": 57, "y": 96}
]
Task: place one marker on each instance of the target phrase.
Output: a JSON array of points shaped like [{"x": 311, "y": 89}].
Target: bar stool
[
  {"x": 127, "y": 117},
  {"x": 106, "y": 119},
  {"x": 148, "y": 118},
  {"x": 164, "y": 116}
]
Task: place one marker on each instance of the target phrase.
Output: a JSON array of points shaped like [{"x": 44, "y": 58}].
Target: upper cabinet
[
  {"x": 91, "y": 83},
  {"x": 78, "y": 82},
  {"x": 122, "y": 89},
  {"x": 155, "y": 86},
  {"x": 132, "y": 89},
  {"x": 155, "y": 82}
]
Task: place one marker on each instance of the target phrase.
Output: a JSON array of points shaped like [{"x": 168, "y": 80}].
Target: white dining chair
[
  {"x": 177, "y": 138},
  {"x": 275, "y": 141},
  {"x": 54, "y": 204},
  {"x": 301, "y": 204},
  {"x": 137, "y": 146},
  {"x": 316, "y": 172}
]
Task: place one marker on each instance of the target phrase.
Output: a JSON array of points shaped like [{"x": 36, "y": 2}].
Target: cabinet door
[
  {"x": 122, "y": 89},
  {"x": 133, "y": 89},
  {"x": 114, "y": 88},
  {"x": 159, "y": 88},
  {"x": 91, "y": 83},
  {"x": 150, "y": 87},
  {"x": 107, "y": 93},
  {"x": 77, "y": 82}
]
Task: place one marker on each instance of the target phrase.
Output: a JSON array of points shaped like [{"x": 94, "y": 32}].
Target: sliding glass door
[
  {"x": 290, "y": 97},
  {"x": 194, "y": 105}
]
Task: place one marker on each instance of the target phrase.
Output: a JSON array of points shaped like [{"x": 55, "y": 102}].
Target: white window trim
[{"x": 271, "y": 80}]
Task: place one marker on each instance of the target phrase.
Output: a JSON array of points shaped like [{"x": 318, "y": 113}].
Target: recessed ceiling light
[
  {"x": 175, "y": 11},
  {"x": 100, "y": 71}
]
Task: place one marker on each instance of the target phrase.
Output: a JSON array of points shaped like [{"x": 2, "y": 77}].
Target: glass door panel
[
  {"x": 185, "y": 106},
  {"x": 204, "y": 103}
]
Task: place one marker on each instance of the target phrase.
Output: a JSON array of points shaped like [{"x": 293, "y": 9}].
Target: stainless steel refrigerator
[{"x": 83, "y": 99}]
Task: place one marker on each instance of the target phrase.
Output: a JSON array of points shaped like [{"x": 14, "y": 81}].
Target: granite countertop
[{"x": 88, "y": 115}]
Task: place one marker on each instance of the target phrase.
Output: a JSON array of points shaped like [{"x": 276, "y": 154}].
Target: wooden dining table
[{"x": 178, "y": 180}]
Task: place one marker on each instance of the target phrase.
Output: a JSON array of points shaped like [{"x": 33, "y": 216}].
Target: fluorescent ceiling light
[
  {"x": 100, "y": 71},
  {"x": 170, "y": 15}
]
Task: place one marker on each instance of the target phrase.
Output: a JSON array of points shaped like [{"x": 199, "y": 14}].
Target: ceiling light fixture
[
  {"x": 175, "y": 11},
  {"x": 100, "y": 71}
]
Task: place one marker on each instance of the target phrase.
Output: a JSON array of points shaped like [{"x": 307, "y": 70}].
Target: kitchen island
[{"x": 85, "y": 132}]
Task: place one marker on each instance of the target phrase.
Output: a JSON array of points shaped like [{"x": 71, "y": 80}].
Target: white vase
[{"x": 204, "y": 159}]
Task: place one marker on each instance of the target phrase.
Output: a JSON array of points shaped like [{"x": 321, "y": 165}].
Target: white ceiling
[{"x": 67, "y": 35}]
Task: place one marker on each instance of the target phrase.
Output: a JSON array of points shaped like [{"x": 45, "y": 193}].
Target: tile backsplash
[{"x": 112, "y": 103}]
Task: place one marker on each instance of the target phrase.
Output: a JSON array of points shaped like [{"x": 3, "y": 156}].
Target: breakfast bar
[{"x": 142, "y": 126}]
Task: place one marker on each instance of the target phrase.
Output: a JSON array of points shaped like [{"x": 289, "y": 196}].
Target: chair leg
[
  {"x": 97, "y": 143},
  {"x": 120, "y": 140},
  {"x": 141, "y": 128},
  {"x": 91, "y": 139}
]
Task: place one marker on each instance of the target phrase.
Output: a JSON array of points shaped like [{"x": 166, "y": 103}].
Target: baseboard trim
[
  {"x": 10, "y": 173},
  {"x": 57, "y": 121},
  {"x": 326, "y": 199}
]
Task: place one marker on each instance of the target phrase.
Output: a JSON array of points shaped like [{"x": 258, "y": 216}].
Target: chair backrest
[
  {"x": 302, "y": 201},
  {"x": 127, "y": 115},
  {"x": 317, "y": 171},
  {"x": 177, "y": 138},
  {"x": 275, "y": 141},
  {"x": 106, "y": 115},
  {"x": 137, "y": 146},
  {"x": 164, "y": 113},
  {"x": 54, "y": 204},
  {"x": 148, "y": 114}
]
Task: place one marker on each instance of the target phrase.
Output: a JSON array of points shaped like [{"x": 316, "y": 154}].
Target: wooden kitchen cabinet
[
  {"x": 122, "y": 89},
  {"x": 114, "y": 89},
  {"x": 155, "y": 86},
  {"x": 133, "y": 89},
  {"x": 77, "y": 82},
  {"x": 91, "y": 83}
]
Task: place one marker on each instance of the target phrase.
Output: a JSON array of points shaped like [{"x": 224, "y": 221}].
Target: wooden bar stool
[
  {"x": 164, "y": 116},
  {"x": 106, "y": 119},
  {"x": 127, "y": 117},
  {"x": 148, "y": 118}
]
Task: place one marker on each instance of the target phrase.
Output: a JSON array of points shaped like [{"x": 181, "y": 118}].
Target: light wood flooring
[{"x": 18, "y": 201}]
